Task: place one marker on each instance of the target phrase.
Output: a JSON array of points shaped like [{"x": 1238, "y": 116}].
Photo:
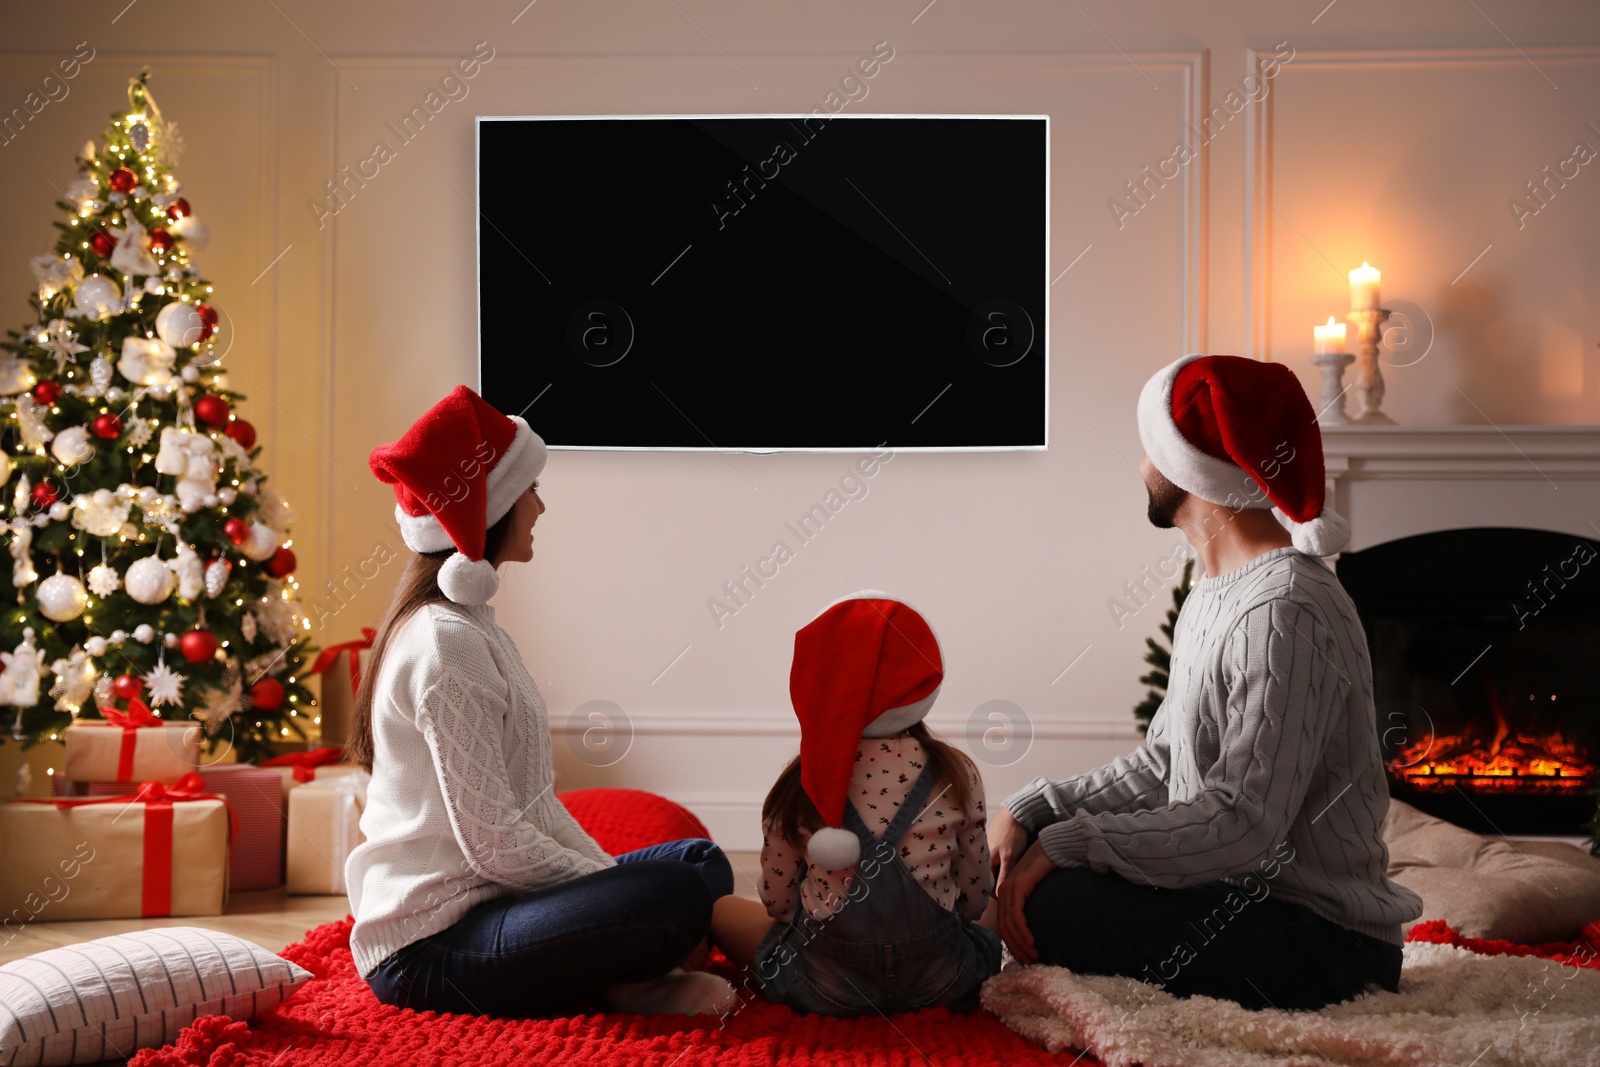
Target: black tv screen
[{"x": 771, "y": 283}]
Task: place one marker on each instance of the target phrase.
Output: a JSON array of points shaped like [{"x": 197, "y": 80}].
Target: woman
[{"x": 475, "y": 890}]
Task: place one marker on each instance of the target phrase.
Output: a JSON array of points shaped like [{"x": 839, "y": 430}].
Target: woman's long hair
[
  {"x": 419, "y": 585},
  {"x": 788, "y": 807}
]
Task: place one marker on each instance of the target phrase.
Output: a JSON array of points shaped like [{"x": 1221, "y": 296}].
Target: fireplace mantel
[{"x": 1397, "y": 481}]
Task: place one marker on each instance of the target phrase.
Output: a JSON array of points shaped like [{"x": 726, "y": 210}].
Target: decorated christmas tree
[
  {"x": 150, "y": 559},
  {"x": 1160, "y": 656}
]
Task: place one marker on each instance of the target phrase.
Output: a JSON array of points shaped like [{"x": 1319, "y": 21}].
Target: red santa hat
[
  {"x": 867, "y": 666},
  {"x": 1241, "y": 433},
  {"x": 455, "y": 473}
]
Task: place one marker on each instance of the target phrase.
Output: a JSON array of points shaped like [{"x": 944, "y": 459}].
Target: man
[{"x": 1236, "y": 853}]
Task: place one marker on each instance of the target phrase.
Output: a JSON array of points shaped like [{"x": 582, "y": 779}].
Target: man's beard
[{"x": 1165, "y": 499}]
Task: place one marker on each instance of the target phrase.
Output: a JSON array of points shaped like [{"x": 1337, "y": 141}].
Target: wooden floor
[{"x": 269, "y": 917}]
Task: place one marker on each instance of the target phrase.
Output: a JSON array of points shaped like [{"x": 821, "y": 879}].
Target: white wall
[{"x": 1391, "y": 133}]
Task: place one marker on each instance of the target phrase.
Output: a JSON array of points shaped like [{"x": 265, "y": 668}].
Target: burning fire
[{"x": 1508, "y": 762}]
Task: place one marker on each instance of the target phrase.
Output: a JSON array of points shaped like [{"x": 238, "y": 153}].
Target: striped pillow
[{"x": 106, "y": 998}]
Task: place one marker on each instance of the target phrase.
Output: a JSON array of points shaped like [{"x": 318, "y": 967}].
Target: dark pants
[
  {"x": 543, "y": 952},
  {"x": 1214, "y": 940}
]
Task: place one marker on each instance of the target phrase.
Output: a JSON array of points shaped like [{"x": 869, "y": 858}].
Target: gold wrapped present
[
  {"x": 324, "y": 826},
  {"x": 131, "y": 746}
]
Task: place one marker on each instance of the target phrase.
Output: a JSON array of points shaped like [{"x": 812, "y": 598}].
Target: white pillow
[{"x": 105, "y": 999}]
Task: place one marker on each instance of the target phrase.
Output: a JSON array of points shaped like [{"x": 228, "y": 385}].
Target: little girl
[{"x": 876, "y": 864}]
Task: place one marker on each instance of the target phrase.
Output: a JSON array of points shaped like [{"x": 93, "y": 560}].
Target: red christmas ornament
[
  {"x": 179, "y": 208},
  {"x": 242, "y": 431},
  {"x": 208, "y": 315},
  {"x": 47, "y": 391},
  {"x": 126, "y": 686},
  {"x": 107, "y": 426},
  {"x": 102, "y": 243},
  {"x": 282, "y": 563},
  {"x": 198, "y": 646},
  {"x": 160, "y": 240},
  {"x": 267, "y": 694},
  {"x": 43, "y": 495},
  {"x": 237, "y": 530},
  {"x": 212, "y": 410},
  {"x": 123, "y": 179}
]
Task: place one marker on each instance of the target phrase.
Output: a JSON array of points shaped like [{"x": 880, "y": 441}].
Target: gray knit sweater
[{"x": 1261, "y": 764}]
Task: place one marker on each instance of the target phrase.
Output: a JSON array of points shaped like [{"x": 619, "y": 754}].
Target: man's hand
[
  {"x": 1024, "y": 876},
  {"x": 1007, "y": 842}
]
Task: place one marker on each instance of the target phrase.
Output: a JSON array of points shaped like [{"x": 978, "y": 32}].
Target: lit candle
[
  {"x": 1329, "y": 339},
  {"x": 1364, "y": 288}
]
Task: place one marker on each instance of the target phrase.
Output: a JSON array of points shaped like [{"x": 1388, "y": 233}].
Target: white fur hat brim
[
  {"x": 1220, "y": 481},
  {"x": 507, "y": 479}
]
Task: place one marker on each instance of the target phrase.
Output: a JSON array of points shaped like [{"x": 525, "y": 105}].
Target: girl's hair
[
  {"x": 789, "y": 809},
  {"x": 419, "y": 585}
]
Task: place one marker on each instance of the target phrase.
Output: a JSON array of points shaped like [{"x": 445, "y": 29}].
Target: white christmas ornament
[
  {"x": 190, "y": 572},
  {"x": 22, "y": 572},
  {"x": 72, "y": 446},
  {"x": 61, "y": 597},
  {"x": 179, "y": 324},
  {"x": 100, "y": 373},
  {"x": 262, "y": 542},
  {"x": 196, "y": 233},
  {"x": 55, "y": 274},
  {"x": 101, "y": 514},
  {"x": 247, "y": 626},
  {"x": 5, "y": 467},
  {"x": 95, "y": 646},
  {"x": 58, "y": 510},
  {"x": 16, "y": 376},
  {"x": 19, "y": 680},
  {"x": 61, "y": 342},
  {"x": 217, "y": 572},
  {"x": 144, "y": 633},
  {"x": 118, "y": 636},
  {"x": 104, "y": 581},
  {"x": 75, "y": 677},
  {"x": 226, "y": 496},
  {"x": 131, "y": 256},
  {"x": 97, "y": 297},
  {"x": 31, "y": 423},
  {"x": 165, "y": 685},
  {"x": 149, "y": 580},
  {"x": 146, "y": 361},
  {"x": 193, "y": 458}
]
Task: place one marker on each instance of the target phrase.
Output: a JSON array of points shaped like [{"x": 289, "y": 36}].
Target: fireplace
[{"x": 1485, "y": 650}]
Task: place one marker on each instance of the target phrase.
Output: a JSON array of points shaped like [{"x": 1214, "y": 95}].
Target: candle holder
[
  {"x": 1332, "y": 364},
  {"x": 1368, "y": 386}
]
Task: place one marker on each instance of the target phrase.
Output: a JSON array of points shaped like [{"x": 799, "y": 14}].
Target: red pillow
[{"x": 622, "y": 820}]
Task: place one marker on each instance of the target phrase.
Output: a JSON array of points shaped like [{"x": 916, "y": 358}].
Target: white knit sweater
[{"x": 461, "y": 807}]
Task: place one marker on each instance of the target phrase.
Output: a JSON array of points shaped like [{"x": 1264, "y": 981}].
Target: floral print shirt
[{"x": 946, "y": 849}]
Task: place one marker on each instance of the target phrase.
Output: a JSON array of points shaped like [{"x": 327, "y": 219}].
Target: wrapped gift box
[
  {"x": 106, "y": 752},
  {"x": 62, "y": 786},
  {"x": 149, "y": 855},
  {"x": 257, "y": 802},
  {"x": 324, "y": 826},
  {"x": 298, "y": 768},
  {"x": 339, "y": 666}
]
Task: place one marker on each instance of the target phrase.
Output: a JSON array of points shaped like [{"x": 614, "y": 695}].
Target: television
[{"x": 773, "y": 283}]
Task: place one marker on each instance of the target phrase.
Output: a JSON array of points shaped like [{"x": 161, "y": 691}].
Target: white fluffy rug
[{"x": 1454, "y": 1008}]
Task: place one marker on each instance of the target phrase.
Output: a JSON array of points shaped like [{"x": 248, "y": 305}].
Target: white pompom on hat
[
  {"x": 456, "y": 472},
  {"x": 868, "y": 665},
  {"x": 1242, "y": 433}
]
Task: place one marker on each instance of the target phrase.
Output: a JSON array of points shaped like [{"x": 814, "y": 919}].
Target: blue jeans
[{"x": 543, "y": 952}]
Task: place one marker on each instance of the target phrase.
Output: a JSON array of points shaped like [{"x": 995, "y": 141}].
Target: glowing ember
[{"x": 1507, "y": 763}]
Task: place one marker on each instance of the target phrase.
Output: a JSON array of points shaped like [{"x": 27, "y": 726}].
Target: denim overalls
[{"x": 890, "y": 946}]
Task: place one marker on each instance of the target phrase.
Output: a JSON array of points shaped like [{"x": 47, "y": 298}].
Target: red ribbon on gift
[
  {"x": 137, "y": 715},
  {"x": 326, "y": 657},
  {"x": 305, "y": 764},
  {"x": 156, "y": 891}
]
